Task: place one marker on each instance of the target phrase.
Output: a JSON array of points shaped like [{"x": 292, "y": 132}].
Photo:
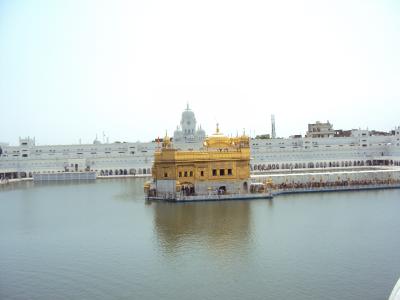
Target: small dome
[
  {"x": 166, "y": 141},
  {"x": 217, "y": 140},
  {"x": 188, "y": 113},
  {"x": 96, "y": 141}
]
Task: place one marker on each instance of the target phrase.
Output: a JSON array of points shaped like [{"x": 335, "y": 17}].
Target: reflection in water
[
  {"x": 130, "y": 188},
  {"x": 16, "y": 185},
  {"x": 63, "y": 183},
  {"x": 221, "y": 227}
]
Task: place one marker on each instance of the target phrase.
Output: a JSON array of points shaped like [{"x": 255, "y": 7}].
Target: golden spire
[{"x": 166, "y": 141}]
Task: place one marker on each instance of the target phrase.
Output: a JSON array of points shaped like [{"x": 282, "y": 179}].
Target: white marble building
[
  {"x": 187, "y": 132},
  {"x": 359, "y": 148}
]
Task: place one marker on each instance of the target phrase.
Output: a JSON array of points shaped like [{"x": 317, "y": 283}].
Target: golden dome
[
  {"x": 218, "y": 140},
  {"x": 166, "y": 141}
]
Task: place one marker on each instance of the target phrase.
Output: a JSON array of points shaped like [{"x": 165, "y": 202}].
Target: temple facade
[{"x": 222, "y": 166}]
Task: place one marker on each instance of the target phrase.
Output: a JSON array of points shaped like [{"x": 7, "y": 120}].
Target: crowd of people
[
  {"x": 328, "y": 184},
  {"x": 3, "y": 180}
]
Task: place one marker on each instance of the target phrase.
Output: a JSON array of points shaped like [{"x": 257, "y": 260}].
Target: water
[{"x": 102, "y": 241}]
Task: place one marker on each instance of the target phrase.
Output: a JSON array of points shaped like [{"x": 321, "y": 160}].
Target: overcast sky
[{"x": 72, "y": 69}]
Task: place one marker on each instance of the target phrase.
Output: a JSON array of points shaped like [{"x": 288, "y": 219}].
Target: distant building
[
  {"x": 342, "y": 133},
  {"x": 187, "y": 131},
  {"x": 382, "y": 133},
  {"x": 320, "y": 130},
  {"x": 263, "y": 136},
  {"x": 273, "y": 129},
  {"x": 295, "y": 136},
  {"x": 319, "y": 149}
]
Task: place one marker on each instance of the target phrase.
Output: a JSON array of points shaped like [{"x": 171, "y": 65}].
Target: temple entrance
[
  {"x": 188, "y": 189},
  {"x": 222, "y": 190}
]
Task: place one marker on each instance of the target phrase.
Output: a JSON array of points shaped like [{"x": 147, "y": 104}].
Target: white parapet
[
  {"x": 64, "y": 176},
  {"x": 332, "y": 176}
]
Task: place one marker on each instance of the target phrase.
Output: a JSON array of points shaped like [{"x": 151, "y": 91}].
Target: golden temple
[{"x": 220, "y": 167}]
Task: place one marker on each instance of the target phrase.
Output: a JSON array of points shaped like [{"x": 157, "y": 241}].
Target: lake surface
[{"x": 101, "y": 240}]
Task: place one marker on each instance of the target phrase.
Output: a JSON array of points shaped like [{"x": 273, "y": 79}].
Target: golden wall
[{"x": 222, "y": 158}]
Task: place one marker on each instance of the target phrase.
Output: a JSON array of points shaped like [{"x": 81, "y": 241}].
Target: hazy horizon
[
  {"x": 107, "y": 139},
  {"x": 72, "y": 69}
]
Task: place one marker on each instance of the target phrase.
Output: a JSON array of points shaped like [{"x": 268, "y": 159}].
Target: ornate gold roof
[{"x": 220, "y": 141}]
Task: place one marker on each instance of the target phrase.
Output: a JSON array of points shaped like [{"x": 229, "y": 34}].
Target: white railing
[
  {"x": 335, "y": 188},
  {"x": 181, "y": 197},
  {"x": 269, "y": 194}
]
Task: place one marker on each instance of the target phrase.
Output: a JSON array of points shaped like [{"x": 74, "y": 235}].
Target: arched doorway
[
  {"x": 187, "y": 189},
  {"x": 222, "y": 190}
]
